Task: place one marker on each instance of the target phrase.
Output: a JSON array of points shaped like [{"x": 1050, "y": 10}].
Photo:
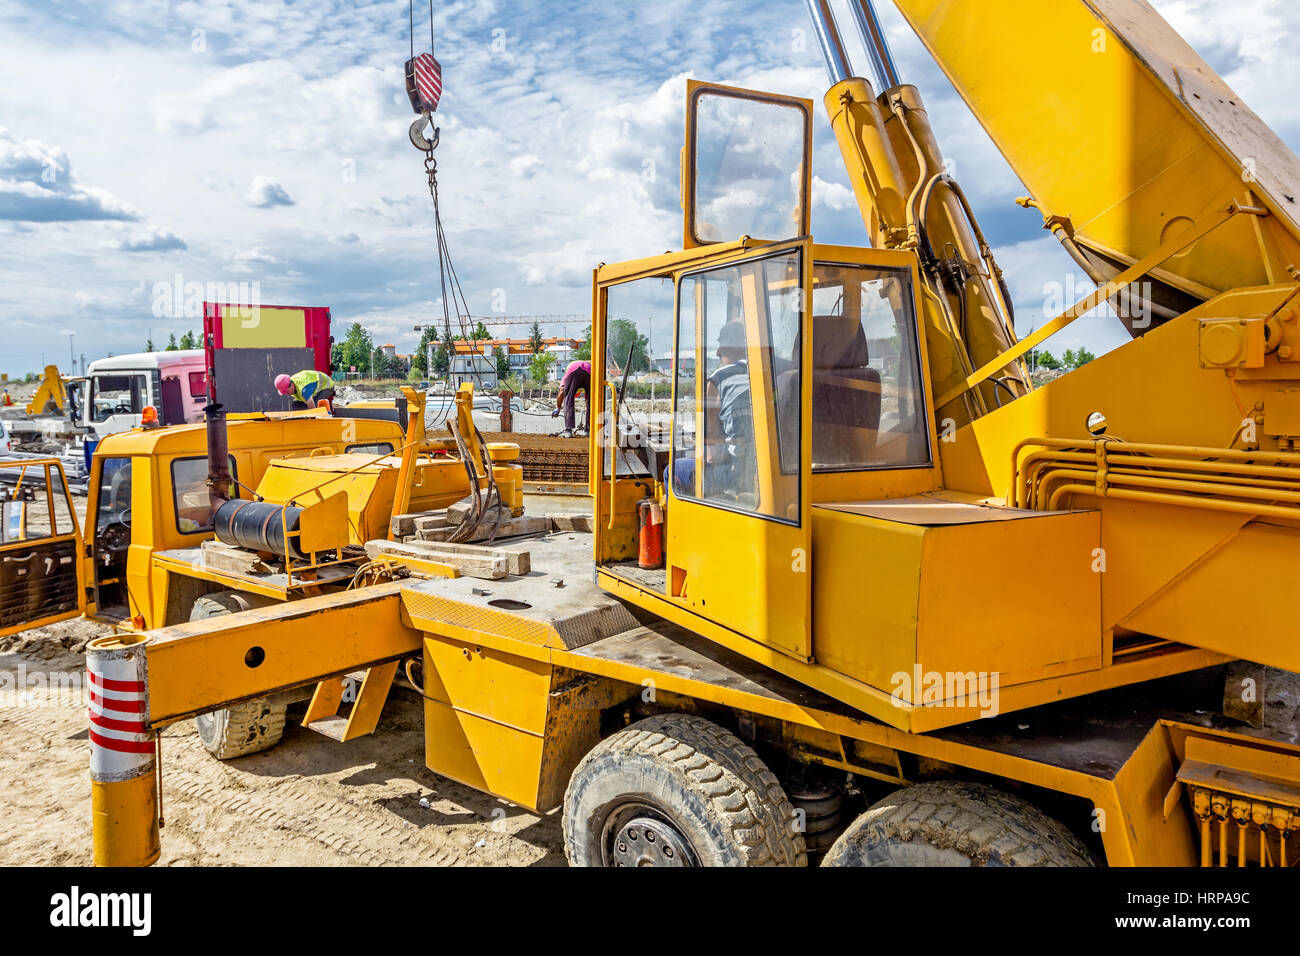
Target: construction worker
[
  {"x": 577, "y": 378},
  {"x": 307, "y": 388},
  {"x": 729, "y": 419},
  {"x": 7, "y": 400}
]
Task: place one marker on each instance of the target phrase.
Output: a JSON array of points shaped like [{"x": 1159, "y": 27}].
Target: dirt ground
[{"x": 311, "y": 801}]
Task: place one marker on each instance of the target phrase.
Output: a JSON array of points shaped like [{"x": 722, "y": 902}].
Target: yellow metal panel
[
  {"x": 1235, "y": 600},
  {"x": 977, "y": 615},
  {"x": 324, "y": 524},
  {"x": 194, "y": 667},
  {"x": 927, "y": 616},
  {"x": 264, "y": 327},
  {"x": 871, "y": 636},
  {"x": 504, "y": 688},
  {"x": 482, "y": 754}
]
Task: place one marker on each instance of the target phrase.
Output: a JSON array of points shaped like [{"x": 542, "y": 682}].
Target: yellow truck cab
[{"x": 148, "y": 497}]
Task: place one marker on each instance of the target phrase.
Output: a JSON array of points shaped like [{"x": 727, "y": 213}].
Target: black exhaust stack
[{"x": 214, "y": 416}]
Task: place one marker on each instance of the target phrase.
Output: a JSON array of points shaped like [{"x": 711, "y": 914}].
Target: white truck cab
[{"x": 116, "y": 390}]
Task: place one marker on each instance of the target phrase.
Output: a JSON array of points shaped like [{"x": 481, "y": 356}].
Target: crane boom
[{"x": 1125, "y": 136}]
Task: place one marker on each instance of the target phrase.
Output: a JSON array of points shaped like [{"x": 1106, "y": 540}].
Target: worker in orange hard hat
[{"x": 307, "y": 388}]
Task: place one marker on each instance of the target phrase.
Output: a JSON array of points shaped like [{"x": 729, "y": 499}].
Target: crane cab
[{"x": 771, "y": 400}]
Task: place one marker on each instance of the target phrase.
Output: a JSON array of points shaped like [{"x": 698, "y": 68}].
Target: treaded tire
[
  {"x": 699, "y": 777},
  {"x": 956, "y": 823},
  {"x": 246, "y": 728}
]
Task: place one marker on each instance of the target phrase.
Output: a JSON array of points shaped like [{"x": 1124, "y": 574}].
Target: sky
[{"x": 149, "y": 145}]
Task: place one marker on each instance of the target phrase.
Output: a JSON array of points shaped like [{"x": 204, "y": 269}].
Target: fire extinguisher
[{"x": 650, "y": 534}]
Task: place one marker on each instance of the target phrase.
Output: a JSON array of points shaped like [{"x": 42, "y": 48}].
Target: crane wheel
[
  {"x": 956, "y": 823},
  {"x": 678, "y": 790},
  {"x": 253, "y": 725}
]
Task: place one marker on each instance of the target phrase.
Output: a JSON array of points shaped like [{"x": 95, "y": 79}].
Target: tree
[
  {"x": 535, "y": 342},
  {"x": 540, "y": 365},
  {"x": 148, "y": 344},
  {"x": 441, "y": 361},
  {"x": 357, "y": 349},
  {"x": 583, "y": 353},
  {"x": 1045, "y": 359},
  {"x": 503, "y": 362},
  {"x": 1073, "y": 359},
  {"x": 624, "y": 338},
  {"x": 190, "y": 340},
  {"x": 481, "y": 333},
  {"x": 420, "y": 360},
  {"x": 387, "y": 366},
  {"x": 171, "y": 344}
]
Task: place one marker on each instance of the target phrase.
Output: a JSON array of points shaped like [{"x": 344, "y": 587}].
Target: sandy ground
[{"x": 311, "y": 801}]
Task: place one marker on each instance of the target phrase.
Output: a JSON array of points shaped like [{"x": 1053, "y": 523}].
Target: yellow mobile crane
[{"x": 889, "y": 567}]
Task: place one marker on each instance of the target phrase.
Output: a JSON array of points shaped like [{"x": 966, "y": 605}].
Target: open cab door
[
  {"x": 709, "y": 438},
  {"x": 40, "y": 546}
]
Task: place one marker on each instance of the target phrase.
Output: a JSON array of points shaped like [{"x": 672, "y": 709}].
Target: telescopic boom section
[
  {"x": 909, "y": 201},
  {"x": 1126, "y": 139}
]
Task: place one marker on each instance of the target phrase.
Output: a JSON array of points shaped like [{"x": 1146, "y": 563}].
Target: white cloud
[
  {"x": 36, "y": 185},
  {"x": 151, "y": 239},
  {"x": 265, "y": 192},
  {"x": 835, "y": 196}
]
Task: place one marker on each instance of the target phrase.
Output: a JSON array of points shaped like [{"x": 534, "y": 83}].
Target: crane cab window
[
  {"x": 190, "y": 493},
  {"x": 736, "y": 412},
  {"x": 868, "y": 408}
]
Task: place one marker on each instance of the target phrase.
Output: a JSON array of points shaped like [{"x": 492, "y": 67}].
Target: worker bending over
[
  {"x": 577, "y": 378},
  {"x": 307, "y": 388}
]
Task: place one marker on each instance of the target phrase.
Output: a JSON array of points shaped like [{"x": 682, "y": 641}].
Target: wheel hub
[{"x": 645, "y": 841}]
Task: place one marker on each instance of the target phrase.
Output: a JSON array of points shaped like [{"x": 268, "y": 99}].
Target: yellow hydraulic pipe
[{"x": 869, "y": 158}]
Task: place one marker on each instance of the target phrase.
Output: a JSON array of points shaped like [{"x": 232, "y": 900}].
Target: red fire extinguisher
[{"x": 650, "y": 527}]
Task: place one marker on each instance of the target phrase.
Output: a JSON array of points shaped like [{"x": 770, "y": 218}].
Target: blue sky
[{"x": 241, "y": 141}]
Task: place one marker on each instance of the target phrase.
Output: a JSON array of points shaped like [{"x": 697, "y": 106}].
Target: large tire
[
  {"x": 679, "y": 791},
  {"x": 956, "y": 823},
  {"x": 246, "y": 728}
]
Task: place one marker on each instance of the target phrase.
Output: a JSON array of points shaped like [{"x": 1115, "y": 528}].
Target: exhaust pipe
[{"x": 219, "y": 477}]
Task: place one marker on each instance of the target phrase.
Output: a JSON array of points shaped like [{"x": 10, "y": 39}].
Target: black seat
[{"x": 845, "y": 394}]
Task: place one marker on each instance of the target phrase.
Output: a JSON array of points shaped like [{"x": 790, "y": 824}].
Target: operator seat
[{"x": 845, "y": 394}]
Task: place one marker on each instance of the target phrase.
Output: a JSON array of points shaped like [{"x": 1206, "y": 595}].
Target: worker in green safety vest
[{"x": 307, "y": 388}]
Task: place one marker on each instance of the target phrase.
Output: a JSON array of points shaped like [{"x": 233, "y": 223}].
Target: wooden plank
[
  {"x": 487, "y": 565},
  {"x": 511, "y": 527},
  {"x": 403, "y": 525},
  {"x": 518, "y": 560},
  {"x": 224, "y": 557},
  {"x": 578, "y": 522}
]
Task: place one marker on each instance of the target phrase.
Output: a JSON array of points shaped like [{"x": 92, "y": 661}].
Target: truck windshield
[{"x": 116, "y": 395}]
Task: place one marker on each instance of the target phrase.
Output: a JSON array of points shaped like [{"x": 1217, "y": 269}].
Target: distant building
[
  {"x": 479, "y": 368},
  {"x": 518, "y": 351}
]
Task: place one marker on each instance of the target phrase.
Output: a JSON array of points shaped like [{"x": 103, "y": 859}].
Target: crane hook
[{"x": 418, "y": 139}]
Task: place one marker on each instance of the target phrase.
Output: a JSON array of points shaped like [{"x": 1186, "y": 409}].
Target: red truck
[{"x": 247, "y": 346}]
